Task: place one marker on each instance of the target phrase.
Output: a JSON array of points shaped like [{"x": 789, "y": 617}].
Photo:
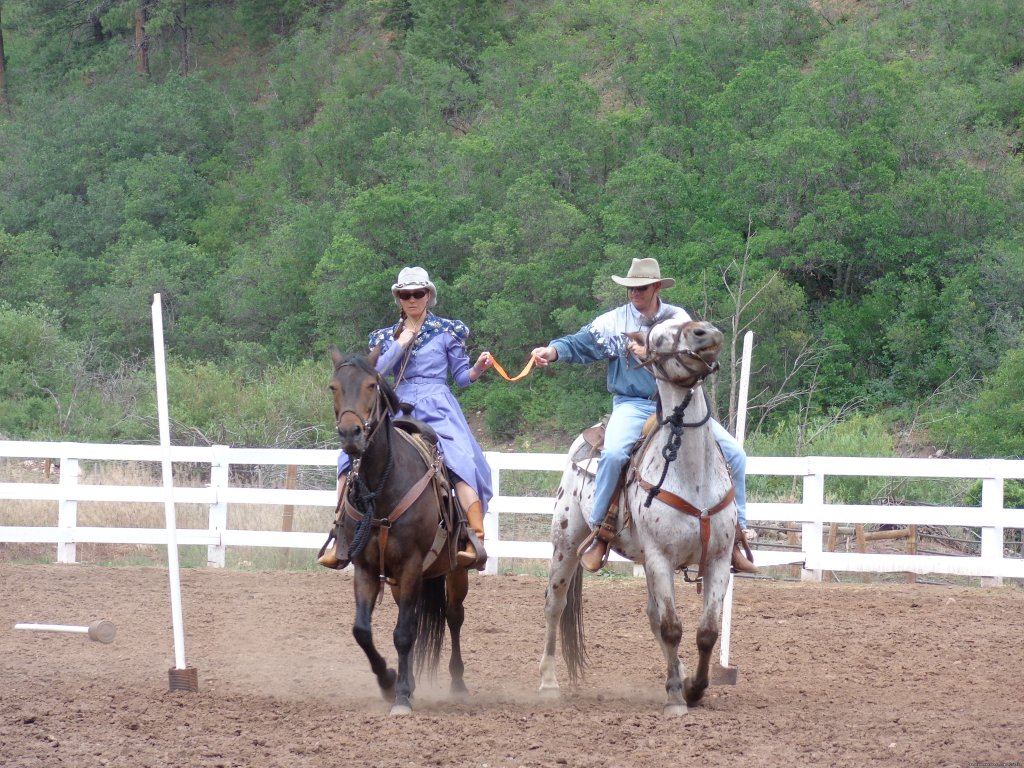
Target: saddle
[
  {"x": 583, "y": 460},
  {"x": 593, "y": 437},
  {"x": 452, "y": 517},
  {"x": 414, "y": 426},
  {"x": 436, "y": 481}
]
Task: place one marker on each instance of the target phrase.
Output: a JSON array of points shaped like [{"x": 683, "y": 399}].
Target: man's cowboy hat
[
  {"x": 411, "y": 278},
  {"x": 644, "y": 272}
]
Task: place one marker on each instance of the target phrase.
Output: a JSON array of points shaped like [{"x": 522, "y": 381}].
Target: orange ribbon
[{"x": 522, "y": 374}]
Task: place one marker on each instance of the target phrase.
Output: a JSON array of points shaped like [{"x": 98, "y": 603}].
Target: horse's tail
[
  {"x": 574, "y": 649},
  {"x": 431, "y": 624}
]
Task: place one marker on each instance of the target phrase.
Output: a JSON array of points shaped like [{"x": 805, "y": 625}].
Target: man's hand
[
  {"x": 637, "y": 349},
  {"x": 544, "y": 355}
]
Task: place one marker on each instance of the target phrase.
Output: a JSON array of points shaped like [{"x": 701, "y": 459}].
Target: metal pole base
[
  {"x": 184, "y": 679},
  {"x": 102, "y": 631},
  {"x": 721, "y": 675}
]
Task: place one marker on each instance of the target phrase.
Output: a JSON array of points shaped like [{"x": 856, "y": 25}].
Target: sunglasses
[
  {"x": 640, "y": 288},
  {"x": 417, "y": 294}
]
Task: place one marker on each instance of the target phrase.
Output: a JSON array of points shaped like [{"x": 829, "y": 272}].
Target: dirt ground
[{"x": 829, "y": 675}]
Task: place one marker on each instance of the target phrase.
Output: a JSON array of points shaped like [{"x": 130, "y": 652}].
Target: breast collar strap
[{"x": 703, "y": 515}]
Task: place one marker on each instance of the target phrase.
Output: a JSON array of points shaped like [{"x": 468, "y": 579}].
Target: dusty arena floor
[{"x": 829, "y": 675}]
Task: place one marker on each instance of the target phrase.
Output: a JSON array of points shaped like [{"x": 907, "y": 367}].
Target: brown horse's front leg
[
  {"x": 367, "y": 587},
  {"x": 458, "y": 588},
  {"x": 410, "y": 586}
]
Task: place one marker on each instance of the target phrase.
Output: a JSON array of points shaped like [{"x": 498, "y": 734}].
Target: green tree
[{"x": 992, "y": 425}]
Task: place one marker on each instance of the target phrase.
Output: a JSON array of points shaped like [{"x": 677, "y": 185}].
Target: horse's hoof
[
  {"x": 387, "y": 684},
  {"x": 550, "y": 692},
  {"x": 674, "y": 710},
  {"x": 693, "y": 692},
  {"x": 401, "y": 709},
  {"x": 459, "y": 689}
]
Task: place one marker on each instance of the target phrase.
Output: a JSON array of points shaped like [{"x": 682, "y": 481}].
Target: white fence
[{"x": 812, "y": 512}]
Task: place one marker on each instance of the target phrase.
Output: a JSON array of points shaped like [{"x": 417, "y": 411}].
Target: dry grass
[{"x": 151, "y": 515}]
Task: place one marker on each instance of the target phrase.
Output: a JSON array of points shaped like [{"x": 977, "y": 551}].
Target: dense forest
[{"x": 841, "y": 177}]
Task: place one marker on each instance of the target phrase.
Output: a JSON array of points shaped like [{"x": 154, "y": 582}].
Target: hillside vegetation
[{"x": 841, "y": 178}]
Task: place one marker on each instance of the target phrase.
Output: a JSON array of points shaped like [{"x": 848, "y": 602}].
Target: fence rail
[{"x": 812, "y": 512}]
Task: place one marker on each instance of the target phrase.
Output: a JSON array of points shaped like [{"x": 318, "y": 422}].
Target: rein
[
  {"x": 697, "y": 367},
  {"x": 670, "y": 451},
  {"x": 360, "y": 500}
]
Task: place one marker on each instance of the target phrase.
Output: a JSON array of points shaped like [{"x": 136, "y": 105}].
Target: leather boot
[
  {"x": 742, "y": 563},
  {"x": 470, "y": 557},
  {"x": 328, "y": 556},
  {"x": 596, "y": 555}
]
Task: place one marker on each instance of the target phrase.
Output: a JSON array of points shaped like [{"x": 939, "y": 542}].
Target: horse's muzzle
[{"x": 353, "y": 440}]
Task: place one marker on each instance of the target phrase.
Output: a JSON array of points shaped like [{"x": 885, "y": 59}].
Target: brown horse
[{"x": 396, "y": 516}]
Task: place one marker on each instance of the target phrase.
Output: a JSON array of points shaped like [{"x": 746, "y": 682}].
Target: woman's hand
[
  {"x": 406, "y": 337},
  {"x": 482, "y": 363}
]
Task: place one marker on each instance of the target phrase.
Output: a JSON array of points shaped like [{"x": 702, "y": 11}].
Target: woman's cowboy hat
[
  {"x": 644, "y": 272},
  {"x": 411, "y": 278}
]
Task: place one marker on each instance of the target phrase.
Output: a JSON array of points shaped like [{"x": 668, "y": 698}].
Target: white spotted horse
[
  {"x": 396, "y": 513},
  {"x": 676, "y": 510}
]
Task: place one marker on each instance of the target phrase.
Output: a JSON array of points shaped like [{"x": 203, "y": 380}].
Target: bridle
[
  {"x": 360, "y": 502},
  {"x": 358, "y": 494},
  {"x": 381, "y": 407},
  {"x": 697, "y": 368}
]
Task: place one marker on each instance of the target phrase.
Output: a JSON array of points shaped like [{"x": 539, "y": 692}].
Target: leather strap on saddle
[
  {"x": 385, "y": 523},
  {"x": 704, "y": 515}
]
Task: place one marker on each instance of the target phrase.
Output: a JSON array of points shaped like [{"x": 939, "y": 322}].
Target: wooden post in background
[{"x": 288, "y": 514}]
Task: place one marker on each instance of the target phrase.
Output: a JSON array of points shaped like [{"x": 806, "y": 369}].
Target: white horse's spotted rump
[{"x": 661, "y": 538}]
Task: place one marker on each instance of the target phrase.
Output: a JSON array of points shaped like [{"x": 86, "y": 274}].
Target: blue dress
[{"x": 439, "y": 349}]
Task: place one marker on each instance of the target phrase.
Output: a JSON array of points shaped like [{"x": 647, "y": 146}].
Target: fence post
[
  {"x": 219, "y": 478},
  {"x": 492, "y": 523},
  {"x": 992, "y": 537},
  {"x": 67, "y": 511},
  {"x": 811, "y": 533}
]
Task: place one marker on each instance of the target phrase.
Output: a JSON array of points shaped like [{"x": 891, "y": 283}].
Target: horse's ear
[
  {"x": 374, "y": 355},
  {"x": 336, "y": 356},
  {"x": 636, "y": 336}
]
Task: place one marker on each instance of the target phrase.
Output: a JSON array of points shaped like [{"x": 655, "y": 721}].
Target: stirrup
[
  {"x": 473, "y": 556},
  {"x": 739, "y": 563},
  {"x": 322, "y": 558},
  {"x": 594, "y": 550}
]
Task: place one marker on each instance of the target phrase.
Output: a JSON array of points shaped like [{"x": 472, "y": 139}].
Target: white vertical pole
[
  {"x": 741, "y": 403},
  {"x": 165, "y": 444},
  {"x": 726, "y": 641},
  {"x": 741, "y": 427}
]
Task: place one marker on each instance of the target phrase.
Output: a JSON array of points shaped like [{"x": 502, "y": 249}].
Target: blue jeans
[
  {"x": 623, "y": 430},
  {"x": 737, "y": 460}
]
